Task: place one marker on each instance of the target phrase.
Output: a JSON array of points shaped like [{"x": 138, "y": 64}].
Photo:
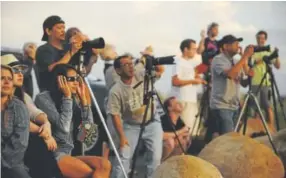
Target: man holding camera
[
  {"x": 226, "y": 79},
  {"x": 259, "y": 69},
  {"x": 52, "y": 53},
  {"x": 126, "y": 108}
]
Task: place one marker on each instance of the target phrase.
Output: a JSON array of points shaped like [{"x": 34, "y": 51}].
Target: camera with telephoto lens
[
  {"x": 261, "y": 48},
  {"x": 274, "y": 55},
  {"x": 151, "y": 61},
  {"x": 97, "y": 43}
]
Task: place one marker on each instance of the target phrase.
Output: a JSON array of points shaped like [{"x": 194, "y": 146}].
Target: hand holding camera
[
  {"x": 248, "y": 51},
  {"x": 76, "y": 42}
]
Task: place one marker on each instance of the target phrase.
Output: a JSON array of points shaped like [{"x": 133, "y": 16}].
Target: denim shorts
[{"x": 224, "y": 120}]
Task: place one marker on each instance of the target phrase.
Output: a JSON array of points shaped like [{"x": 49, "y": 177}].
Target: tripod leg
[
  {"x": 135, "y": 154},
  {"x": 279, "y": 98},
  {"x": 105, "y": 126},
  {"x": 264, "y": 123},
  {"x": 245, "y": 119},
  {"x": 275, "y": 108},
  {"x": 241, "y": 113}
]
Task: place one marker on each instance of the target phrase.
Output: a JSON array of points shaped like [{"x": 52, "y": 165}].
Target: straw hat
[
  {"x": 12, "y": 61},
  {"x": 108, "y": 53},
  {"x": 148, "y": 51}
]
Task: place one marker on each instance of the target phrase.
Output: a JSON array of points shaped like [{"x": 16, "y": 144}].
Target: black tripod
[
  {"x": 204, "y": 109},
  {"x": 242, "y": 111},
  {"x": 149, "y": 98},
  {"x": 274, "y": 89}
]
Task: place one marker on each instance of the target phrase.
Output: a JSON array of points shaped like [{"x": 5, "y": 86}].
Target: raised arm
[{"x": 60, "y": 119}]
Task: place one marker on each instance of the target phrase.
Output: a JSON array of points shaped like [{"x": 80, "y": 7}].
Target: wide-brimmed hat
[
  {"x": 12, "y": 61},
  {"x": 16, "y": 66}
]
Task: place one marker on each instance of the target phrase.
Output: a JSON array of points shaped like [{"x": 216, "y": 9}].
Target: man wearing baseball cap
[
  {"x": 52, "y": 53},
  {"x": 226, "y": 79}
]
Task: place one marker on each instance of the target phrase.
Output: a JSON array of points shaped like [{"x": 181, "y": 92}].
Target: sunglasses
[
  {"x": 19, "y": 70},
  {"x": 73, "y": 79}
]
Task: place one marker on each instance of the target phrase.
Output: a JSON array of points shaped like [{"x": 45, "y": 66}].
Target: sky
[{"x": 133, "y": 25}]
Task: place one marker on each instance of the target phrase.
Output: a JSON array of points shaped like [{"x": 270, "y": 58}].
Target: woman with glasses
[
  {"x": 14, "y": 129},
  {"x": 40, "y": 139},
  {"x": 67, "y": 104},
  {"x": 39, "y": 123}
]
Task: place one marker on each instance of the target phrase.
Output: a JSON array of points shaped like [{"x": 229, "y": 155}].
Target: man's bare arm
[
  {"x": 235, "y": 70},
  {"x": 201, "y": 46},
  {"x": 118, "y": 125},
  {"x": 180, "y": 83}
]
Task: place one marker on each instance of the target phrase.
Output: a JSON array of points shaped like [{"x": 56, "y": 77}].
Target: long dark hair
[
  {"x": 19, "y": 93},
  {"x": 56, "y": 93}
]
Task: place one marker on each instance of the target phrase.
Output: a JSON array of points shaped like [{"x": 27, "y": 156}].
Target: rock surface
[
  {"x": 184, "y": 166},
  {"x": 279, "y": 140},
  {"x": 238, "y": 156}
]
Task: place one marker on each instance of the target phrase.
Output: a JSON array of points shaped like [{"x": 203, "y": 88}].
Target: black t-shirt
[
  {"x": 166, "y": 125},
  {"x": 45, "y": 56},
  {"x": 211, "y": 49}
]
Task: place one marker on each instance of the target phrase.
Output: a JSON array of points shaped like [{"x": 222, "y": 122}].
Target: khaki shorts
[{"x": 190, "y": 110}]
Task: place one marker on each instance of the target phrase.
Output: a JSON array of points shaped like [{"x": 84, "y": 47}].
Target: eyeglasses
[
  {"x": 6, "y": 78},
  {"x": 73, "y": 79}
]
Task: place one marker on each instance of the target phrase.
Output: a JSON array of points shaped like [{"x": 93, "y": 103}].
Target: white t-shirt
[{"x": 185, "y": 70}]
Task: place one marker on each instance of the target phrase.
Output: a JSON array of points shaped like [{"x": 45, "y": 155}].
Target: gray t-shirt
[
  {"x": 127, "y": 102},
  {"x": 225, "y": 91}
]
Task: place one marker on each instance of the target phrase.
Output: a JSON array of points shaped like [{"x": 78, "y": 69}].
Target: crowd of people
[{"x": 46, "y": 107}]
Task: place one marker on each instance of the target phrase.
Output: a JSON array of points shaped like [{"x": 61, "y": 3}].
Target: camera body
[
  {"x": 151, "y": 61},
  {"x": 258, "y": 49},
  {"x": 268, "y": 59},
  {"x": 97, "y": 43}
]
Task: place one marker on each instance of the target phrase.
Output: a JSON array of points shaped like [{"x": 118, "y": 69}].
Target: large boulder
[
  {"x": 279, "y": 141},
  {"x": 184, "y": 166},
  {"x": 238, "y": 156}
]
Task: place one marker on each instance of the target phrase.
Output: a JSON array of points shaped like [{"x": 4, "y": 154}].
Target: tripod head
[{"x": 150, "y": 63}]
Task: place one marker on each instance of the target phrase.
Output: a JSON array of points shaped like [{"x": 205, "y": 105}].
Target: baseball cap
[
  {"x": 228, "y": 39},
  {"x": 49, "y": 23}
]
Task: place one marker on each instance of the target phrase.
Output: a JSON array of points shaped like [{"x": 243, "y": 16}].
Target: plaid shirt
[{"x": 14, "y": 133}]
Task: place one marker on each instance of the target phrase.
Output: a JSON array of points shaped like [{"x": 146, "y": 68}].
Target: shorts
[{"x": 188, "y": 115}]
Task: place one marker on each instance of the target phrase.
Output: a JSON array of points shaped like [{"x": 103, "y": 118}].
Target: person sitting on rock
[{"x": 171, "y": 144}]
